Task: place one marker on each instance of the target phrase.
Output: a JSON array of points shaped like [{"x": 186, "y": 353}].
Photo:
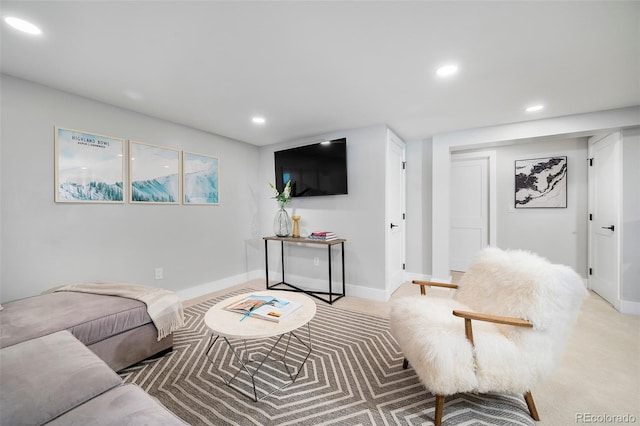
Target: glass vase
[{"x": 282, "y": 223}]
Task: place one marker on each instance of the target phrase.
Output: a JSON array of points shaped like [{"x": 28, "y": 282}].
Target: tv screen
[{"x": 316, "y": 169}]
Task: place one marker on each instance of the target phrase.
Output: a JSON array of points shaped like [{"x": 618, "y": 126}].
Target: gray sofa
[
  {"x": 117, "y": 329},
  {"x": 55, "y": 379}
]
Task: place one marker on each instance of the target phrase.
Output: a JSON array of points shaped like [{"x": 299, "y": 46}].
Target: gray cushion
[
  {"x": 45, "y": 377},
  {"x": 124, "y": 405},
  {"x": 89, "y": 317}
]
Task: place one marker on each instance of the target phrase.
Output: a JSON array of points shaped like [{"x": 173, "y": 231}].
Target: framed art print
[
  {"x": 154, "y": 173},
  {"x": 200, "y": 179},
  {"x": 89, "y": 168},
  {"x": 541, "y": 183}
]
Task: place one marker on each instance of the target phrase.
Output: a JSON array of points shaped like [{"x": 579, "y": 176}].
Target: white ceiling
[{"x": 316, "y": 67}]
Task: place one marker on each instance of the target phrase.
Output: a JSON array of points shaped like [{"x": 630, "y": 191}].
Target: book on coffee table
[{"x": 264, "y": 307}]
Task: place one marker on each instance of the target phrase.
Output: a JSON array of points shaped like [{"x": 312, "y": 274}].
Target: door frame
[{"x": 493, "y": 190}]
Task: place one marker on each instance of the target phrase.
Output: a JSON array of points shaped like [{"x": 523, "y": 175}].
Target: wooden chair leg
[
  {"x": 405, "y": 363},
  {"x": 531, "y": 405},
  {"x": 439, "y": 408}
]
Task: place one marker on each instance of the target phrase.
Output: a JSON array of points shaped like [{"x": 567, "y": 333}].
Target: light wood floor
[{"x": 599, "y": 374}]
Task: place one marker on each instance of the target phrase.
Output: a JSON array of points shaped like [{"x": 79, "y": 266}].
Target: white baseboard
[
  {"x": 622, "y": 306},
  {"x": 629, "y": 307},
  {"x": 378, "y": 295},
  {"x": 367, "y": 293},
  {"x": 322, "y": 284},
  {"x": 202, "y": 289},
  {"x": 311, "y": 284}
]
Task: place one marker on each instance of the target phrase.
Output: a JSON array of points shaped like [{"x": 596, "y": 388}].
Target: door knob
[
  {"x": 611, "y": 228},
  {"x": 393, "y": 225}
]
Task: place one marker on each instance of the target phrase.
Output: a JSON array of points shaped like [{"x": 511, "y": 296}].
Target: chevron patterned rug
[{"x": 353, "y": 376}]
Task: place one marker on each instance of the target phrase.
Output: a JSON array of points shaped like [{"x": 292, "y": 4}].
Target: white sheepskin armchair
[{"x": 531, "y": 306}]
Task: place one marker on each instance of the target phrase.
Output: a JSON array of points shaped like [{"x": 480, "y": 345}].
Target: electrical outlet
[
  {"x": 316, "y": 261},
  {"x": 159, "y": 273}
]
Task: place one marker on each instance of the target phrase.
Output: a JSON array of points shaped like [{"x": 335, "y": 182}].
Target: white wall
[
  {"x": 558, "y": 234},
  {"x": 200, "y": 248},
  {"x": 418, "y": 222},
  {"x": 45, "y": 244},
  {"x": 357, "y": 216},
  {"x": 631, "y": 220}
]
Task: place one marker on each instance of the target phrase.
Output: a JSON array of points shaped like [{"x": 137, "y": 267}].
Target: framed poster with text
[{"x": 89, "y": 168}]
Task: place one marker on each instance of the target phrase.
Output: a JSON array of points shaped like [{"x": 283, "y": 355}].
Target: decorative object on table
[
  {"x": 200, "y": 179},
  {"x": 89, "y": 168},
  {"x": 323, "y": 236},
  {"x": 282, "y": 223},
  {"x": 541, "y": 182},
  {"x": 154, "y": 174},
  {"x": 264, "y": 307},
  {"x": 296, "y": 226}
]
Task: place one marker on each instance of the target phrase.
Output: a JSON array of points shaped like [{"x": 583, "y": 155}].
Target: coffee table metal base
[{"x": 247, "y": 364}]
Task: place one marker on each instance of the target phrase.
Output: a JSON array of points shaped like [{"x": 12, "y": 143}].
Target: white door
[
  {"x": 395, "y": 208},
  {"x": 604, "y": 210},
  {"x": 469, "y": 200}
]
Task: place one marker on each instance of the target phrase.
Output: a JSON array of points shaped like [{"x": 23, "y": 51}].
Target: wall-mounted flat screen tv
[{"x": 316, "y": 169}]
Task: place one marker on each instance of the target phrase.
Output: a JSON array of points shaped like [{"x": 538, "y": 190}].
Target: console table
[{"x": 326, "y": 296}]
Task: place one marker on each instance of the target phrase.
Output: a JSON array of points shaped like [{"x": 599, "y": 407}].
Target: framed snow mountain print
[
  {"x": 154, "y": 173},
  {"x": 89, "y": 168},
  {"x": 200, "y": 179},
  {"x": 541, "y": 183}
]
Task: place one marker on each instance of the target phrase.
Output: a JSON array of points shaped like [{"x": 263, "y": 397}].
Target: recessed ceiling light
[
  {"x": 22, "y": 25},
  {"x": 447, "y": 70},
  {"x": 325, "y": 143},
  {"x": 259, "y": 120},
  {"x": 534, "y": 108}
]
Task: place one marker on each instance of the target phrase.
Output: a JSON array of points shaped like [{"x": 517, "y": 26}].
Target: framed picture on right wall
[
  {"x": 541, "y": 183},
  {"x": 200, "y": 179}
]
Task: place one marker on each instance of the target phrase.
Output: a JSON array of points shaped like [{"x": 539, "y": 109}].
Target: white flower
[{"x": 283, "y": 197}]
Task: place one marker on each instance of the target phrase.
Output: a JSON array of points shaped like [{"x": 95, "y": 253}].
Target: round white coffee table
[{"x": 231, "y": 326}]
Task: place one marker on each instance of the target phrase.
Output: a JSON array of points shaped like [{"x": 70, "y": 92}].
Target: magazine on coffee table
[{"x": 269, "y": 308}]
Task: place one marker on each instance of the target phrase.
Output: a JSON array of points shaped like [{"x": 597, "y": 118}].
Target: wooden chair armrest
[
  {"x": 423, "y": 284},
  {"x": 519, "y": 322},
  {"x": 468, "y": 316}
]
